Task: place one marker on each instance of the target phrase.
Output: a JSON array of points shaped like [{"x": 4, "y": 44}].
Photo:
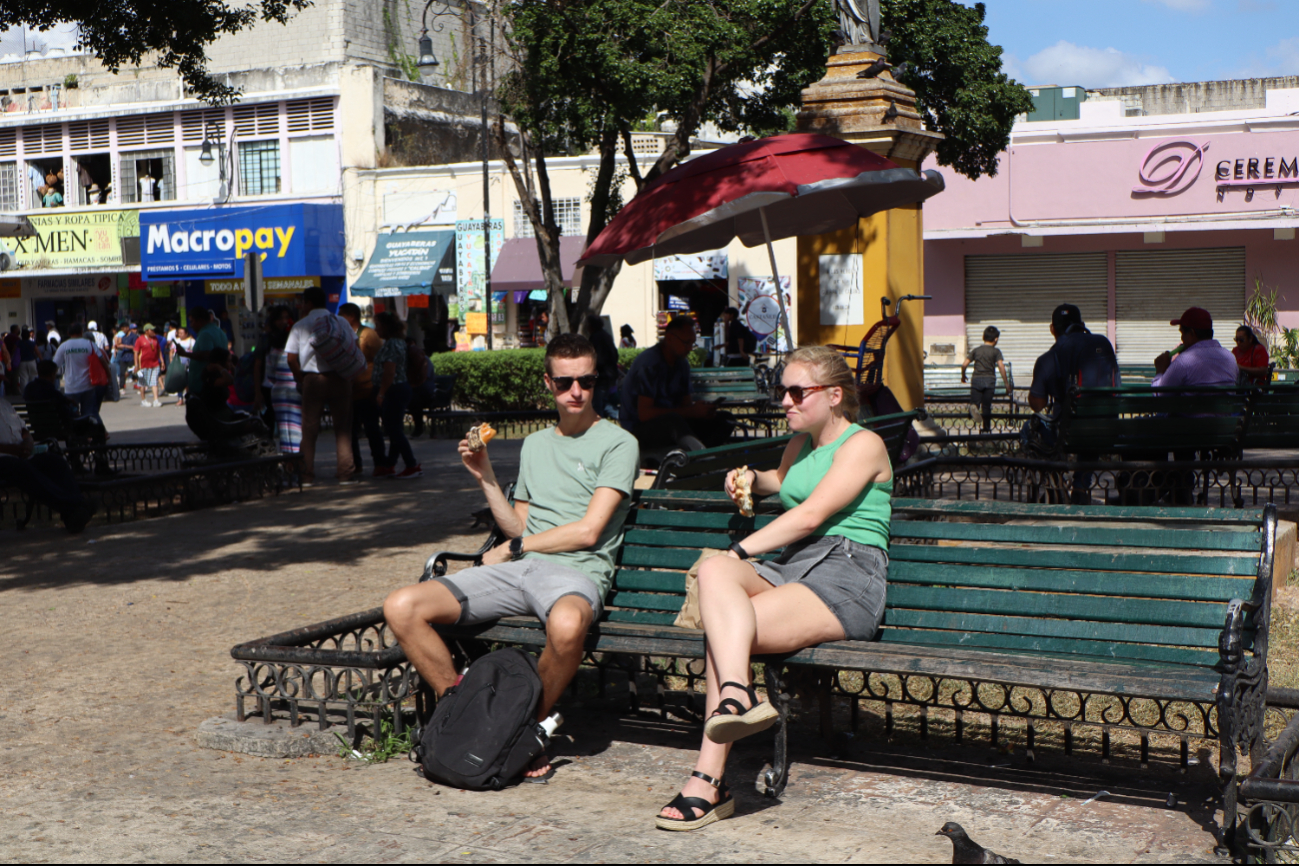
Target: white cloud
[
  {"x": 1183, "y": 5},
  {"x": 1065, "y": 63},
  {"x": 1279, "y": 59},
  {"x": 17, "y": 40}
]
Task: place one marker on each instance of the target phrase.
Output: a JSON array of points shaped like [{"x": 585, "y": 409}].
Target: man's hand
[
  {"x": 498, "y": 554},
  {"x": 477, "y": 462},
  {"x": 1163, "y": 362}
]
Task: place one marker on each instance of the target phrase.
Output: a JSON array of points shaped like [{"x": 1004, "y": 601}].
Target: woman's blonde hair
[{"x": 830, "y": 368}]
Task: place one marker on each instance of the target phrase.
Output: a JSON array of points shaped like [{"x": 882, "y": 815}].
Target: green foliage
[
  {"x": 1260, "y": 314},
  {"x": 500, "y": 381},
  {"x": 957, "y": 77},
  {"x": 377, "y": 750},
  {"x": 176, "y": 33}
]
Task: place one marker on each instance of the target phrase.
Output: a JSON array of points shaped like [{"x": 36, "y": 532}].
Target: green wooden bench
[
  {"x": 1273, "y": 420},
  {"x": 729, "y": 385},
  {"x": 943, "y": 384},
  {"x": 1146, "y": 621},
  {"x": 706, "y": 469},
  {"x": 1137, "y": 420}
]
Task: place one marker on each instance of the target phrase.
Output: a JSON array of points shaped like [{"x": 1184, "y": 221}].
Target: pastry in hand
[
  {"x": 744, "y": 491},
  {"x": 479, "y": 436}
]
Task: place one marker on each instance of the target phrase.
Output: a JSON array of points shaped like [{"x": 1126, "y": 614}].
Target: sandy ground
[{"x": 119, "y": 647}]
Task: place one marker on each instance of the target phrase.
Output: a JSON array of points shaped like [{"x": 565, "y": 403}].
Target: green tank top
[{"x": 865, "y": 520}]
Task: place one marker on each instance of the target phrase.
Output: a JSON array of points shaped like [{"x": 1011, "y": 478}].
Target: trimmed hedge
[{"x": 509, "y": 380}]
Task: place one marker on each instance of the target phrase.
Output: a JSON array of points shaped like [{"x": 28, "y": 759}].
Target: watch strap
[
  {"x": 516, "y": 547},
  {"x": 739, "y": 551}
]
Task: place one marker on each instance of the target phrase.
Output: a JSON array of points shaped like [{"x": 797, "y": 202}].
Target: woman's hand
[{"x": 730, "y": 483}]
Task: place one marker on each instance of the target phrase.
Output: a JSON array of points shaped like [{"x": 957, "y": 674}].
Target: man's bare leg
[
  {"x": 409, "y": 611},
  {"x": 566, "y": 627}
]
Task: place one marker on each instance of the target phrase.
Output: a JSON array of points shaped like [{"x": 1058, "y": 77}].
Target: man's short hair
[
  {"x": 734, "y": 312},
  {"x": 568, "y": 346},
  {"x": 1064, "y": 317},
  {"x": 990, "y": 333},
  {"x": 46, "y": 369},
  {"x": 75, "y": 329},
  {"x": 314, "y": 297},
  {"x": 1203, "y": 333},
  {"x": 680, "y": 323},
  {"x": 201, "y": 314},
  {"x": 349, "y": 309}
]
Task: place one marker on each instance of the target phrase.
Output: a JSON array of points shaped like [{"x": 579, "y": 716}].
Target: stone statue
[{"x": 860, "y": 21}]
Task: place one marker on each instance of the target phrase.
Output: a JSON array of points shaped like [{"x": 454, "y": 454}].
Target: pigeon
[{"x": 966, "y": 850}]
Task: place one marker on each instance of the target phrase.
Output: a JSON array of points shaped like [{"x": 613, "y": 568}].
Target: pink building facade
[{"x": 1132, "y": 218}]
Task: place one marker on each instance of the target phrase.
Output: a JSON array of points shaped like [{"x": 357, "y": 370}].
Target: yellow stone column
[{"x": 879, "y": 114}]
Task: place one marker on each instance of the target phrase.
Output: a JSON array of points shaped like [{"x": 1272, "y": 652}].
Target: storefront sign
[
  {"x": 11, "y": 288},
  {"x": 476, "y": 323},
  {"x": 223, "y": 287},
  {"x": 760, "y": 311},
  {"x": 98, "y": 285},
  {"x": 288, "y": 239},
  {"x": 288, "y": 285},
  {"x": 841, "y": 290},
  {"x": 76, "y": 240},
  {"x": 1170, "y": 167},
  {"x": 410, "y": 263},
  {"x": 471, "y": 276},
  {"x": 703, "y": 266}
]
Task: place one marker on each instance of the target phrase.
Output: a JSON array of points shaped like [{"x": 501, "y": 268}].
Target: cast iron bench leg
[{"x": 774, "y": 779}]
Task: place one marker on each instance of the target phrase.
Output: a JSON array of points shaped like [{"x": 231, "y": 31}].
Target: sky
[{"x": 1117, "y": 43}]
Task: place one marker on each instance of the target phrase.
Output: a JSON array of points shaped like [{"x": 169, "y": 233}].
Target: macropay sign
[{"x": 291, "y": 240}]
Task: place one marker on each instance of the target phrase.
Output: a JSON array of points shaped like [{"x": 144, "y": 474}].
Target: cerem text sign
[{"x": 290, "y": 241}]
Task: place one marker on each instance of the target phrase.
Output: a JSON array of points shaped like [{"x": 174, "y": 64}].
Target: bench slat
[
  {"x": 1058, "y": 609},
  {"x": 1091, "y": 560},
  {"x": 1188, "y": 587},
  {"x": 734, "y": 521},
  {"x": 648, "y": 601},
  {"x": 1023, "y": 644},
  {"x": 992, "y": 508},
  {"x": 979, "y": 619},
  {"x": 650, "y": 581},
  {"x": 1054, "y": 533}
]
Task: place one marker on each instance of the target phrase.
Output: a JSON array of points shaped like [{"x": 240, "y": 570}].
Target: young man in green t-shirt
[{"x": 564, "y": 527}]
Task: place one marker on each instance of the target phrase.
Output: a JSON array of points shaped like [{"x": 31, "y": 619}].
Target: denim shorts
[
  {"x": 525, "y": 587},
  {"x": 850, "y": 578}
]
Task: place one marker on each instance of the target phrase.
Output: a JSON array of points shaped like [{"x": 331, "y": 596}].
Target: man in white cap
[{"x": 92, "y": 329}]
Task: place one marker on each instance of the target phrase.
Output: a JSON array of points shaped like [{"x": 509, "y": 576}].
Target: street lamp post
[
  {"x": 205, "y": 156},
  {"x": 428, "y": 61}
]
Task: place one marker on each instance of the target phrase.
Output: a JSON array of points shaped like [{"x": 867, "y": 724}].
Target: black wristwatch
[
  {"x": 739, "y": 551},
  {"x": 516, "y": 548}
]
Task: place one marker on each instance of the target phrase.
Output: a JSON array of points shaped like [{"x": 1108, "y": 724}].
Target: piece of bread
[
  {"x": 479, "y": 436},
  {"x": 743, "y": 491}
]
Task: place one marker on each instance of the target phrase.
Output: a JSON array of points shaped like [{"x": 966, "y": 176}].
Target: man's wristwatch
[
  {"x": 516, "y": 548},
  {"x": 739, "y": 551}
]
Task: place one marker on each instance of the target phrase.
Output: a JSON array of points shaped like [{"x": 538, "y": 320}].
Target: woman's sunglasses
[
  {"x": 797, "y": 392},
  {"x": 565, "y": 383}
]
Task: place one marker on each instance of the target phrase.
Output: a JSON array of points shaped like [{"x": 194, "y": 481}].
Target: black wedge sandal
[
  {"x": 731, "y": 721},
  {"x": 712, "y": 812}
]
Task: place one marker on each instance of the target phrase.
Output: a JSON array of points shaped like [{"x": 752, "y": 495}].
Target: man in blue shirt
[{"x": 657, "y": 407}]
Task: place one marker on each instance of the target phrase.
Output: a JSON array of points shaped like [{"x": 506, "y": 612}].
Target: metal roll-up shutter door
[
  {"x": 1152, "y": 287},
  {"x": 1017, "y": 293}
]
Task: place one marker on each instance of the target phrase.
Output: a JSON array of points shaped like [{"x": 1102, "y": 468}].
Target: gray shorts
[
  {"x": 850, "y": 578},
  {"x": 148, "y": 376},
  {"x": 527, "y": 587}
]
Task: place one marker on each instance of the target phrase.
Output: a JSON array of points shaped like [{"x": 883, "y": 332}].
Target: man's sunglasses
[
  {"x": 797, "y": 392},
  {"x": 565, "y": 383}
]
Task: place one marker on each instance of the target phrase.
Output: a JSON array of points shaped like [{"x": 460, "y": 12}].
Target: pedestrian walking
[
  {"x": 73, "y": 361},
  {"x": 26, "y": 358},
  {"x": 321, "y": 387},
  {"x": 987, "y": 360},
  {"x": 392, "y": 393},
  {"x": 365, "y": 411},
  {"x": 285, "y": 399},
  {"x": 148, "y": 365}
]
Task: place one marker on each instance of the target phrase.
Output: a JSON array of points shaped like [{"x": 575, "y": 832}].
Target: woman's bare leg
[{"x": 744, "y": 607}]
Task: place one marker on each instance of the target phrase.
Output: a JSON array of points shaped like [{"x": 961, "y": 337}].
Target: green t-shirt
[
  {"x": 865, "y": 520},
  {"x": 558, "y": 476},
  {"x": 211, "y": 337}
]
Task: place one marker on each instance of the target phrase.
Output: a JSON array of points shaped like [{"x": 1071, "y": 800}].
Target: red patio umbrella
[{"x": 758, "y": 191}]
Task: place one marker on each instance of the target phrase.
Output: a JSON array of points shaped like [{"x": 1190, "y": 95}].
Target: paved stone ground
[{"x": 119, "y": 647}]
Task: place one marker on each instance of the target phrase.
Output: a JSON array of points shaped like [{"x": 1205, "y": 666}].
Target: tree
[
  {"x": 586, "y": 73},
  {"x": 956, "y": 75},
  {"x": 122, "y": 32}
]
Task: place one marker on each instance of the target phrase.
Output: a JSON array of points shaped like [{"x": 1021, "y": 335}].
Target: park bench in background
[
  {"x": 1142, "y": 421},
  {"x": 1273, "y": 420},
  {"x": 732, "y": 386},
  {"x": 706, "y": 469},
  {"x": 943, "y": 384},
  {"x": 1142, "y": 621}
]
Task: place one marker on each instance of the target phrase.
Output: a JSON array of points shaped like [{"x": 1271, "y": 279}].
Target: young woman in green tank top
[{"x": 836, "y": 485}]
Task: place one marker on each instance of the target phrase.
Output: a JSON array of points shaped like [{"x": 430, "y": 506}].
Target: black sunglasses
[
  {"x": 797, "y": 392},
  {"x": 565, "y": 383}
]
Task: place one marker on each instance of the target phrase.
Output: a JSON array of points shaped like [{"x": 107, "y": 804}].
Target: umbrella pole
[{"x": 775, "y": 275}]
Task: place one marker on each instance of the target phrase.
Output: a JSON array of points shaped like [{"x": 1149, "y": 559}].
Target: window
[
  {"x": 9, "y": 186},
  {"x": 94, "y": 178},
  {"x": 259, "y": 167},
  {"x": 45, "y": 180},
  {"x": 148, "y": 175},
  {"x": 313, "y": 164},
  {"x": 568, "y": 213}
]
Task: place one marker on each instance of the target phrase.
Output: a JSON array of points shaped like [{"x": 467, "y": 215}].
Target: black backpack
[{"x": 483, "y": 733}]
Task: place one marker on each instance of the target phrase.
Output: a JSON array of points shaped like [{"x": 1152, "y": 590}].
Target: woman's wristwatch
[{"x": 739, "y": 551}]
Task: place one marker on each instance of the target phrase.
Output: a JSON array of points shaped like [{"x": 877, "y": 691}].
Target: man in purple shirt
[{"x": 1202, "y": 361}]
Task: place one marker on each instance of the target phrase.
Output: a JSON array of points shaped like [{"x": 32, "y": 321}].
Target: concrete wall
[{"x": 1201, "y": 96}]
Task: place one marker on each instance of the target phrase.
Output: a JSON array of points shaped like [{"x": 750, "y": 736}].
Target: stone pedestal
[{"x": 879, "y": 114}]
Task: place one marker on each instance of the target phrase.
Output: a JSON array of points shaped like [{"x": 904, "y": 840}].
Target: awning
[
  {"x": 519, "y": 267},
  {"x": 409, "y": 263},
  {"x": 13, "y": 225}
]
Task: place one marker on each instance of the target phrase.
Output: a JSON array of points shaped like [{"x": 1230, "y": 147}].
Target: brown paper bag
[{"x": 689, "y": 615}]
